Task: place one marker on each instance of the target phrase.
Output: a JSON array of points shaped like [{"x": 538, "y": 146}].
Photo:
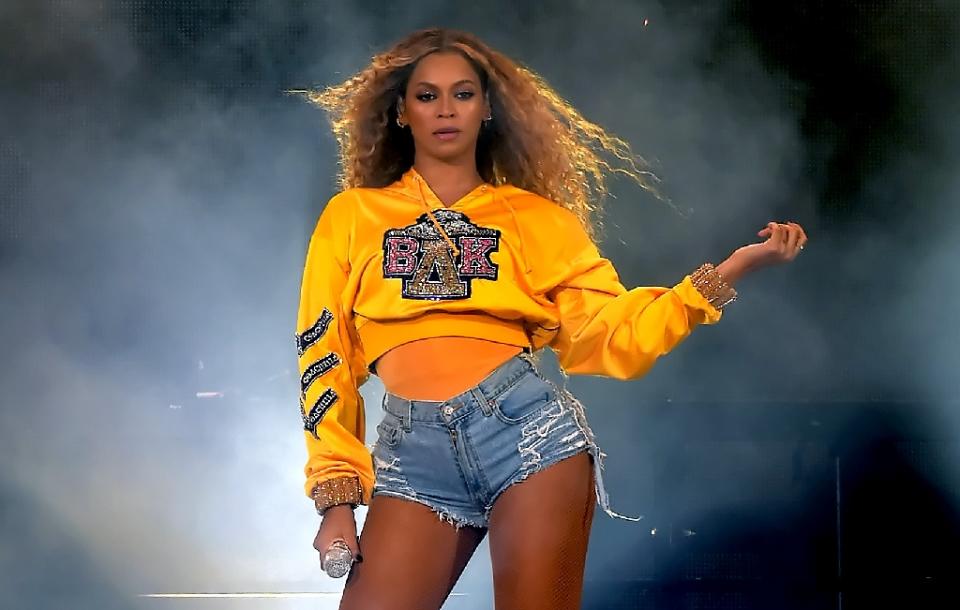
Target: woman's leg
[
  {"x": 411, "y": 559},
  {"x": 539, "y": 530}
]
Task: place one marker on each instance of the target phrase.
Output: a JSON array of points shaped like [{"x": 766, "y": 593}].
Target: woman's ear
[{"x": 400, "y": 106}]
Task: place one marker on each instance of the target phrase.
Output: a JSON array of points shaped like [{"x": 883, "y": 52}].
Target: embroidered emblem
[
  {"x": 317, "y": 411},
  {"x": 317, "y": 369},
  {"x": 420, "y": 256},
  {"x": 315, "y": 332}
]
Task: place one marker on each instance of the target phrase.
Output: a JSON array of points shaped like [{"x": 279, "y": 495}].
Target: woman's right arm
[{"x": 338, "y": 471}]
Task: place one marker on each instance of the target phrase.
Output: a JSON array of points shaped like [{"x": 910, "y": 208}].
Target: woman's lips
[{"x": 447, "y": 134}]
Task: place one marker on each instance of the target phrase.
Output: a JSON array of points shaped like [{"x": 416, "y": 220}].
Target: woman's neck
[{"x": 448, "y": 181}]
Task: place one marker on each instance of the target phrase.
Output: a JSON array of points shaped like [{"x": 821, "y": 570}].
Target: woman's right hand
[{"x": 338, "y": 523}]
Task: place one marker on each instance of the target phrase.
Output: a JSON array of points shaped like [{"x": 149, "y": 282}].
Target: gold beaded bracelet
[
  {"x": 341, "y": 490},
  {"x": 712, "y": 286}
]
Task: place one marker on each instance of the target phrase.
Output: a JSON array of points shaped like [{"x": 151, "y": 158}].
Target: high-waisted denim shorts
[{"x": 457, "y": 456}]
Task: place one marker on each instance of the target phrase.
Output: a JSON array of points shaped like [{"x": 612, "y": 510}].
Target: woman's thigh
[
  {"x": 539, "y": 531},
  {"x": 411, "y": 559}
]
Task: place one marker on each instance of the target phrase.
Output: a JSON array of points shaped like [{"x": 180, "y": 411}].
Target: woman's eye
[{"x": 460, "y": 95}]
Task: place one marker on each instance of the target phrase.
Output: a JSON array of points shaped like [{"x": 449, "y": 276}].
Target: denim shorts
[{"x": 457, "y": 456}]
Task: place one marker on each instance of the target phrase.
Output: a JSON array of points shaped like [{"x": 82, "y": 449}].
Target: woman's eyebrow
[{"x": 459, "y": 82}]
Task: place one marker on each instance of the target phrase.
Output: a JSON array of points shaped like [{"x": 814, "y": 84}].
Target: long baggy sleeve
[
  {"x": 608, "y": 330},
  {"x": 332, "y": 367}
]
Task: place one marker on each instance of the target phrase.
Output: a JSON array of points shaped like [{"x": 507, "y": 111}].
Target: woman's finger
[
  {"x": 784, "y": 234},
  {"x": 801, "y": 235},
  {"x": 354, "y": 545},
  {"x": 793, "y": 239},
  {"x": 776, "y": 235},
  {"x": 318, "y": 541},
  {"x": 799, "y": 227}
]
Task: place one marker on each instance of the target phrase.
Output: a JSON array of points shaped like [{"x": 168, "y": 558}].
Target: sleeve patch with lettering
[
  {"x": 315, "y": 332},
  {"x": 316, "y": 370},
  {"x": 312, "y": 418}
]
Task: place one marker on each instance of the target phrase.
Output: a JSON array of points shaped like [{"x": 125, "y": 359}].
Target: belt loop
[
  {"x": 481, "y": 398},
  {"x": 529, "y": 359},
  {"x": 407, "y": 417},
  {"x": 399, "y": 406}
]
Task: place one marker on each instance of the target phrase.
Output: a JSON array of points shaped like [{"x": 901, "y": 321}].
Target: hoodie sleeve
[
  {"x": 332, "y": 368},
  {"x": 608, "y": 330}
]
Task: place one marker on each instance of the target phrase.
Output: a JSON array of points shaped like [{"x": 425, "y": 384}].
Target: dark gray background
[{"x": 157, "y": 188}]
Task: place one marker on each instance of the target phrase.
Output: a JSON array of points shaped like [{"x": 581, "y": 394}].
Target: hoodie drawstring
[
  {"x": 423, "y": 200},
  {"x": 496, "y": 196},
  {"x": 516, "y": 225}
]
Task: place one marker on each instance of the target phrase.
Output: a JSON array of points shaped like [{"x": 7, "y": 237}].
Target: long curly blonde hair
[{"x": 536, "y": 141}]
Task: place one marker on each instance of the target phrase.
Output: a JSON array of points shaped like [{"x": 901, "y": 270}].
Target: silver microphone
[{"x": 337, "y": 559}]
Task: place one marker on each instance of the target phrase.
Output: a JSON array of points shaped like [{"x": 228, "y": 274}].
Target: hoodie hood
[{"x": 415, "y": 187}]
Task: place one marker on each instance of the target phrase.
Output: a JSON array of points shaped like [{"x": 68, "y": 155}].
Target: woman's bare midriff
[{"x": 438, "y": 368}]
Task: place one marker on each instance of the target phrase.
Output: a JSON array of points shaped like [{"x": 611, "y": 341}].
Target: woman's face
[{"x": 444, "y": 107}]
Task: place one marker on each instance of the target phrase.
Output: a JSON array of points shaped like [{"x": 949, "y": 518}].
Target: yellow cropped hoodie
[{"x": 390, "y": 265}]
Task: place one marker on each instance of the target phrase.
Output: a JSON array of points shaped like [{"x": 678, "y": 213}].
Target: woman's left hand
[{"x": 783, "y": 243}]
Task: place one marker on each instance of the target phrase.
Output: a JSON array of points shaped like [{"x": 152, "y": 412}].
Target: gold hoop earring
[{"x": 401, "y": 124}]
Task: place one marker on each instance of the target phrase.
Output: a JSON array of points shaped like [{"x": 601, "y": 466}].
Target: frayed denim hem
[{"x": 442, "y": 513}]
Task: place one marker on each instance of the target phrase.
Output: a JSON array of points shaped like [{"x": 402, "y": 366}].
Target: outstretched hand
[{"x": 783, "y": 243}]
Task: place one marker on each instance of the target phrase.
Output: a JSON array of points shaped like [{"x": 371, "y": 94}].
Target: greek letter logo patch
[
  {"x": 420, "y": 256},
  {"x": 317, "y": 411}
]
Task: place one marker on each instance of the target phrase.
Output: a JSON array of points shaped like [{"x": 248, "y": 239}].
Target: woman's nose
[{"x": 446, "y": 107}]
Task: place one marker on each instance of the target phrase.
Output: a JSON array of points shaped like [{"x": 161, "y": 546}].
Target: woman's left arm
[
  {"x": 784, "y": 242},
  {"x": 608, "y": 330}
]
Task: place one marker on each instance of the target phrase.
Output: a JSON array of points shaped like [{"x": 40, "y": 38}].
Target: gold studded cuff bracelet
[
  {"x": 341, "y": 490},
  {"x": 712, "y": 286}
]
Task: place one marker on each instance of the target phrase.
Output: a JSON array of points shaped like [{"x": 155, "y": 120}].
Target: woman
[{"x": 460, "y": 245}]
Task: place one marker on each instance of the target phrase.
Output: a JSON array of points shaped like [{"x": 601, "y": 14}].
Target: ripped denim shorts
[{"x": 457, "y": 456}]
